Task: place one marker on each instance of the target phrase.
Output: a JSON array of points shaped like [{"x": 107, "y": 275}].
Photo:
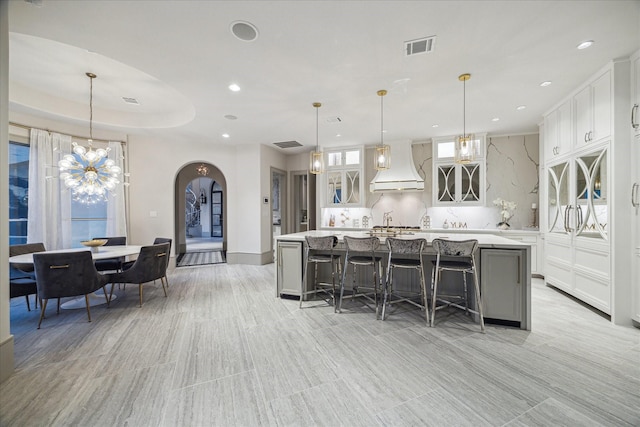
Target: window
[{"x": 18, "y": 192}]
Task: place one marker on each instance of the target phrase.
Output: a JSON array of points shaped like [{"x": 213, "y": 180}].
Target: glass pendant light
[
  {"x": 382, "y": 158},
  {"x": 465, "y": 146},
  {"x": 316, "y": 159}
]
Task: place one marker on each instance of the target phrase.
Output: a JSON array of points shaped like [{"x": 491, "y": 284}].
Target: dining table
[{"x": 100, "y": 252}]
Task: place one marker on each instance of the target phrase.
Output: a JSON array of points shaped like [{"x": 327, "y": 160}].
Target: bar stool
[
  {"x": 405, "y": 254},
  {"x": 361, "y": 253},
  {"x": 458, "y": 256},
  {"x": 316, "y": 253}
]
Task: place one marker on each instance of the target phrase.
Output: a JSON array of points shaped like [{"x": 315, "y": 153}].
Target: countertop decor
[{"x": 507, "y": 209}]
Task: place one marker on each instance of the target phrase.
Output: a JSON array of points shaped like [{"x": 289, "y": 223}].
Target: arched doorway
[{"x": 200, "y": 190}]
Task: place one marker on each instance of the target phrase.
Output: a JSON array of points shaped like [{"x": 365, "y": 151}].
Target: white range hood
[{"x": 402, "y": 175}]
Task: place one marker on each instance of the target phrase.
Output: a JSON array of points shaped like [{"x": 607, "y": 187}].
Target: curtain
[
  {"x": 49, "y": 211},
  {"x": 116, "y": 215}
]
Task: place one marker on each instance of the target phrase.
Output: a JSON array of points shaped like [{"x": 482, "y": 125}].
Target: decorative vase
[{"x": 503, "y": 225}]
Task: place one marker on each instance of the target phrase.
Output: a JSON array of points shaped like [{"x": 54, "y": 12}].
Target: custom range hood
[{"x": 402, "y": 174}]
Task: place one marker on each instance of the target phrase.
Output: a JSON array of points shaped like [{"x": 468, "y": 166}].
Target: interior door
[{"x": 217, "y": 220}]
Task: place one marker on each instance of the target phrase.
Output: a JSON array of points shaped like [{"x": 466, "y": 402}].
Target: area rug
[{"x": 201, "y": 258}]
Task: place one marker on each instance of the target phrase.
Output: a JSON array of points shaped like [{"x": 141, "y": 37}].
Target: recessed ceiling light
[
  {"x": 225, "y": 135},
  {"x": 230, "y": 117},
  {"x": 234, "y": 87},
  {"x": 130, "y": 100},
  {"x": 545, "y": 83},
  {"x": 586, "y": 44},
  {"x": 521, "y": 107},
  {"x": 435, "y": 125},
  {"x": 245, "y": 31},
  {"x": 338, "y": 135},
  {"x": 495, "y": 119}
]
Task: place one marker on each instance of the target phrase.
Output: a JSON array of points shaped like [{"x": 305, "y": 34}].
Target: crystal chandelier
[
  {"x": 382, "y": 159},
  {"x": 88, "y": 173},
  {"x": 465, "y": 146}
]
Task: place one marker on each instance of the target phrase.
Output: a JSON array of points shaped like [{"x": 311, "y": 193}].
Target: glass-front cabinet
[
  {"x": 344, "y": 185},
  {"x": 577, "y": 192}
]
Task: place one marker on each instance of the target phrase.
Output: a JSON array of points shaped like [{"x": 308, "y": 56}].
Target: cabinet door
[
  {"x": 635, "y": 95},
  {"x": 558, "y": 198},
  {"x": 591, "y": 189},
  {"x": 289, "y": 268},
  {"x": 502, "y": 279},
  {"x": 601, "y": 95},
  {"x": 446, "y": 182},
  {"x": 582, "y": 114},
  {"x": 470, "y": 179},
  {"x": 459, "y": 183}
]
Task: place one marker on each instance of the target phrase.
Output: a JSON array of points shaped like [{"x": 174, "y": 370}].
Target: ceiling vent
[
  {"x": 334, "y": 119},
  {"x": 288, "y": 144},
  {"x": 418, "y": 46},
  {"x": 132, "y": 101}
]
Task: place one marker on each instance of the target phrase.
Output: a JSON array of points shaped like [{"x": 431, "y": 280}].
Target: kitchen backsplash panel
[{"x": 512, "y": 174}]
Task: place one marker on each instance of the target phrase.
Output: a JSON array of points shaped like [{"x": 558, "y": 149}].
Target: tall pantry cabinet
[
  {"x": 587, "y": 216},
  {"x": 635, "y": 186}
]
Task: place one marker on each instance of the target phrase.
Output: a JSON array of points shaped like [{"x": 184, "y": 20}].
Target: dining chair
[
  {"x": 127, "y": 265},
  {"x": 361, "y": 253},
  {"x": 319, "y": 250},
  {"x": 150, "y": 265},
  {"x": 22, "y": 279},
  {"x": 405, "y": 254},
  {"x": 456, "y": 256},
  {"x": 111, "y": 264},
  {"x": 67, "y": 274}
]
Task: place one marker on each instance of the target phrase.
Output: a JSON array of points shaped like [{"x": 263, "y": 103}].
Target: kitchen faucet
[{"x": 386, "y": 219}]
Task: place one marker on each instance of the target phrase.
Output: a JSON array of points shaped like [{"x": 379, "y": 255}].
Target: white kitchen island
[{"x": 504, "y": 270}]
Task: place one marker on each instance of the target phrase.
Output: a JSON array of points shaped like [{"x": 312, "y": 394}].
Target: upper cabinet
[
  {"x": 344, "y": 177},
  {"x": 458, "y": 183},
  {"x": 592, "y": 110},
  {"x": 557, "y": 131},
  {"x": 635, "y": 94}
]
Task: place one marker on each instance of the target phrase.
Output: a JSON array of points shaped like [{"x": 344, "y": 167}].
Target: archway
[{"x": 206, "y": 177}]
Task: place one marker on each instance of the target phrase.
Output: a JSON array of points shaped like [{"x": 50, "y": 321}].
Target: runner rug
[{"x": 201, "y": 258}]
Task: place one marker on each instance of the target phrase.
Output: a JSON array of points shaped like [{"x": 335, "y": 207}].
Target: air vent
[
  {"x": 130, "y": 100},
  {"x": 418, "y": 46},
  {"x": 334, "y": 119},
  {"x": 288, "y": 144}
]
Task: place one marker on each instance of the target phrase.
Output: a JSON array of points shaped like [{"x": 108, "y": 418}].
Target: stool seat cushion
[
  {"x": 405, "y": 262},
  {"x": 363, "y": 260},
  {"x": 454, "y": 265},
  {"x": 322, "y": 257}
]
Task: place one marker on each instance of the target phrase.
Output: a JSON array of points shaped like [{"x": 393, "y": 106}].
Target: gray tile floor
[{"x": 222, "y": 350}]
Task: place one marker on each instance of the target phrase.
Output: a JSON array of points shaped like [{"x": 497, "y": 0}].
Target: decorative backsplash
[{"x": 512, "y": 174}]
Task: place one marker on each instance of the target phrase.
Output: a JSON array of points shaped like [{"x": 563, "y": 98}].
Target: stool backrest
[
  {"x": 321, "y": 243},
  {"x": 405, "y": 246},
  {"x": 455, "y": 248},
  {"x": 361, "y": 244}
]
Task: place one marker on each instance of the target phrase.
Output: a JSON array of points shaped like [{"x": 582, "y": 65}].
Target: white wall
[{"x": 269, "y": 158}]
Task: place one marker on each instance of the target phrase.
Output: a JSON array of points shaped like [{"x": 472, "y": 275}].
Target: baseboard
[
  {"x": 6, "y": 359},
  {"x": 249, "y": 259}
]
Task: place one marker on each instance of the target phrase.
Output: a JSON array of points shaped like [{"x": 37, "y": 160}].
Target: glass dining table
[{"x": 101, "y": 252}]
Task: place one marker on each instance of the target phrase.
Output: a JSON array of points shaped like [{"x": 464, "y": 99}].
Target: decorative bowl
[{"x": 94, "y": 243}]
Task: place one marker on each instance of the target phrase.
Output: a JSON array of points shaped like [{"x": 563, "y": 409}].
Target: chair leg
[
  {"x": 478, "y": 299},
  {"x": 111, "y": 293},
  {"x": 28, "y": 304},
  {"x": 434, "y": 291},
  {"x": 43, "y": 305},
  {"x": 140, "y": 292},
  {"x": 425, "y": 300},
  {"x": 58, "y": 311},
  {"x": 86, "y": 300},
  {"x": 344, "y": 277},
  {"x": 303, "y": 284},
  {"x": 387, "y": 290},
  {"x": 104, "y": 289},
  {"x": 466, "y": 296},
  {"x": 162, "y": 280}
]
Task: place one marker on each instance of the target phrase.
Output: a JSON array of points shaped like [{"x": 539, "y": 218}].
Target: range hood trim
[{"x": 402, "y": 175}]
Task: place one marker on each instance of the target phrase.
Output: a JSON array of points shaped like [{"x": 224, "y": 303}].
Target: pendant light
[
  {"x": 382, "y": 158},
  {"x": 465, "y": 146},
  {"x": 316, "y": 160},
  {"x": 88, "y": 173}
]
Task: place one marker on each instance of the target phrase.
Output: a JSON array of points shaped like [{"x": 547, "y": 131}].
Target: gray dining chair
[
  {"x": 150, "y": 265},
  {"x": 22, "y": 279},
  {"x": 111, "y": 264},
  {"x": 361, "y": 252},
  {"x": 67, "y": 274}
]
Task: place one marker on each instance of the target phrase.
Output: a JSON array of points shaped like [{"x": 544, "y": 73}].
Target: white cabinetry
[
  {"x": 458, "y": 183},
  {"x": 635, "y": 186},
  {"x": 585, "y": 197},
  {"x": 592, "y": 109},
  {"x": 557, "y": 131},
  {"x": 289, "y": 268},
  {"x": 532, "y": 240},
  {"x": 344, "y": 177}
]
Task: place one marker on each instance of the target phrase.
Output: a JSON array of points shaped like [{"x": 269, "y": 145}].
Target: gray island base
[{"x": 504, "y": 271}]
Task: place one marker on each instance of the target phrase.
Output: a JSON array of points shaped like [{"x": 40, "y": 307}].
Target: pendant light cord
[{"x": 317, "y": 128}]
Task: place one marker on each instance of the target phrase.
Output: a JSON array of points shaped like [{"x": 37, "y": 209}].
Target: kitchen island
[{"x": 504, "y": 269}]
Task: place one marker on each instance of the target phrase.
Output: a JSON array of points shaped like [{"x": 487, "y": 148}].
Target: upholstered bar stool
[
  {"x": 455, "y": 256},
  {"x": 405, "y": 254},
  {"x": 361, "y": 253},
  {"x": 319, "y": 250}
]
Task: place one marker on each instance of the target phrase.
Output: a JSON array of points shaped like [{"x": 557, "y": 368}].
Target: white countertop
[
  {"x": 532, "y": 231},
  {"x": 484, "y": 239}
]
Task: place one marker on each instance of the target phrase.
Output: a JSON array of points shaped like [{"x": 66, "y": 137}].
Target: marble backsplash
[{"x": 512, "y": 174}]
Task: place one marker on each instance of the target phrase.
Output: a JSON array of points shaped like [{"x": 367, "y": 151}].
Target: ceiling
[{"x": 177, "y": 59}]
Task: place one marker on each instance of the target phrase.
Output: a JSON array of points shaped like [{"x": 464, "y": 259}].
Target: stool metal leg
[{"x": 478, "y": 298}]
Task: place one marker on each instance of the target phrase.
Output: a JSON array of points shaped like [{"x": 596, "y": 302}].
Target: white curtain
[
  {"x": 49, "y": 211},
  {"x": 116, "y": 216}
]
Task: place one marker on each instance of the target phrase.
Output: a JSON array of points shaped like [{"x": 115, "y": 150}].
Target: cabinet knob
[{"x": 634, "y": 110}]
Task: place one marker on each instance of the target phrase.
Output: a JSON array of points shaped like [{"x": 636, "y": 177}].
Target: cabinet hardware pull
[
  {"x": 586, "y": 137},
  {"x": 634, "y": 110},
  {"x": 579, "y": 212},
  {"x": 634, "y": 193},
  {"x": 590, "y": 135},
  {"x": 567, "y": 211},
  {"x": 519, "y": 269}
]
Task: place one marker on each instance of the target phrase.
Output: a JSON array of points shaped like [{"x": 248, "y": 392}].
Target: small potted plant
[{"x": 506, "y": 212}]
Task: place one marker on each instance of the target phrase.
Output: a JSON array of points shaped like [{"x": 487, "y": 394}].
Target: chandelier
[
  {"x": 316, "y": 159},
  {"x": 88, "y": 173},
  {"x": 465, "y": 146},
  {"x": 382, "y": 157},
  {"x": 202, "y": 170}
]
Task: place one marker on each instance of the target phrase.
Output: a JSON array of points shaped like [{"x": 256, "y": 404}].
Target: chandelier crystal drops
[{"x": 88, "y": 173}]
